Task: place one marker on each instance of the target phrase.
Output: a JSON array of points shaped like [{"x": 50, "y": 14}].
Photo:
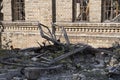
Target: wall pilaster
[
  {"x": 7, "y": 10},
  {"x": 95, "y": 10}
]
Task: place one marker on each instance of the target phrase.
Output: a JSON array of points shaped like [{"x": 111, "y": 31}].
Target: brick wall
[
  {"x": 95, "y": 10},
  {"x": 63, "y": 10},
  {"x": 42, "y": 10},
  {"x": 7, "y": 10},
  {"x": 26, "y": 34},
  {"x": 95, "y": 34},
  {"x": 39, "y": 10},
  {"x": 20, "y": 35}
]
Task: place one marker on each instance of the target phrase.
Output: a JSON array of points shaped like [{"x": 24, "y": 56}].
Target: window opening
[
  {"x": 111, "y": 8},
  {"x": 18, "y": 10},
  {"x": 81, "y": 10}
]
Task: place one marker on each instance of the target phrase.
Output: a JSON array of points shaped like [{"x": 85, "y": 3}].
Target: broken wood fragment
[
  {"x": 66, "y": 37},
  {"x": 63, "y": 31},
  {"x": 45, "y": 59},
  {"x": 47, "y": 37}
]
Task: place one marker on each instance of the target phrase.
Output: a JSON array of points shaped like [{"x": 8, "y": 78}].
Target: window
[
  {"x": 111, "y": 8},
  {"x": 1, "y": 7},
  {"x": 81, "y": 10},
  {"x": 18, "y": 10}
]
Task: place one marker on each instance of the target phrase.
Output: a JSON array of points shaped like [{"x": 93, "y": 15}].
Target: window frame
[
  {"x": 18, "y": 10},
  {"x": 80, "y": 10},
  {"x": 110, "y": 9}
]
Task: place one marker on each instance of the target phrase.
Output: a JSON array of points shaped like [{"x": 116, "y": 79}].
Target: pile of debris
[
  {"x": 53, "y": 62},
  {"x": 61, "y": 61}
]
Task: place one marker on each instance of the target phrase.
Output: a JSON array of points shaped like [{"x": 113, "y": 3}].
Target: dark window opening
[
  {"x": 110, "y": 9},
  {"x": 1, "y": 7},
  {"x": 18, "y": 10},
  {"x": 81, "y": 10}
]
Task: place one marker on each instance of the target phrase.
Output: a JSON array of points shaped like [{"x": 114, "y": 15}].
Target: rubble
[
  {"x": 54, "y": 62},
  {"x": 59, "y": 61}
]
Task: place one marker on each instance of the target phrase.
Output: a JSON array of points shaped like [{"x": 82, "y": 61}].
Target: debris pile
[
  {"x": 60, "y": 61},
  {"x": 53, "y": 62}
]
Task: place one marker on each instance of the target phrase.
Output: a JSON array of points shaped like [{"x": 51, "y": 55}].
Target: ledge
[
  {"x": 19, "y": 23},
  {"x": 8, "y": 26},
  {"x": 87, "y": 24}
]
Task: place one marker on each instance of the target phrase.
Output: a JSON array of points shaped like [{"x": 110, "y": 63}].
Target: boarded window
[
  {"x": 111, "y": 8},
  {"x": 81, "y": 10},
  {"x": 18, "y": 10}
]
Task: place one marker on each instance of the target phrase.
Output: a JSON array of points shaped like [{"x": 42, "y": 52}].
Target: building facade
[
  {"x": 47, "y": 11},
  {"x": 83, "y": 18}
]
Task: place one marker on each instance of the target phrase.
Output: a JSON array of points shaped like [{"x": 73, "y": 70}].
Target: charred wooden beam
[
  {"x": 47, "y": 37},
  {"x": 63, "y": 31}
]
